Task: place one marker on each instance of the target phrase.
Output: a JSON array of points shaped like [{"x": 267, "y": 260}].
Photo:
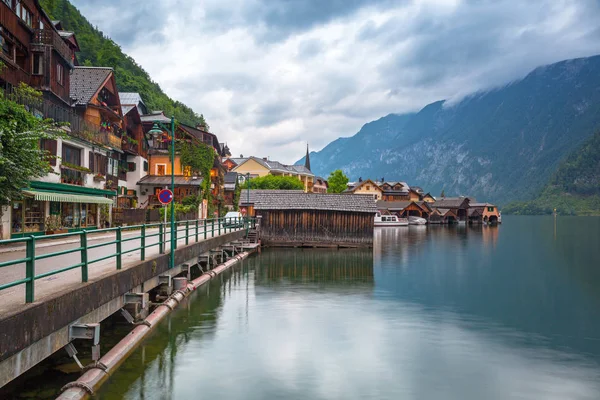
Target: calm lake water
[{"x": 509, "y": 312}]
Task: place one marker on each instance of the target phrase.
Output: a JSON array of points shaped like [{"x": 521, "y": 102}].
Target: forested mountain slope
[
  {"x": 100, "y": 51},
  {"x": 574, "y": 188},
  {"x": 500, "y": 145}
]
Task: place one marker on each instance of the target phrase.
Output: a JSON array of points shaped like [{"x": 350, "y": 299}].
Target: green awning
[{"x": 66, "y": 197}]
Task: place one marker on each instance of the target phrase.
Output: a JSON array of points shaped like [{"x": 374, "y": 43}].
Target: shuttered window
[
  {"x": 50, "y": 146},
  {"x": 92, "y": 162}
]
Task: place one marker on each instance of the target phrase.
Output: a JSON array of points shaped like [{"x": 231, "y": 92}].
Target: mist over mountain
[{"x": 499, "y": 145}]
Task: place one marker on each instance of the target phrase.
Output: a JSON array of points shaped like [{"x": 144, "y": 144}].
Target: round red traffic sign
[{"x": 165, "y": 196}]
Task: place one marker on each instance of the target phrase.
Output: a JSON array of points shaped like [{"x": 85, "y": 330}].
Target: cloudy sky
[{"x": 272, "y": 75}]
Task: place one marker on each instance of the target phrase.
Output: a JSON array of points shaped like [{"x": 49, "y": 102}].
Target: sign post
[{"x": 165, "y": 196}]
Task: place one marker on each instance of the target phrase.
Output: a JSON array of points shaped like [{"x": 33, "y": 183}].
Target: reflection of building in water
[
  {"x": 490, "y": 235},
  {"x": 323, "y": 267},
  {"x": 397, "y": 242}
]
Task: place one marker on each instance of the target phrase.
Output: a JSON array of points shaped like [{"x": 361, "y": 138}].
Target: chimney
[{"x": 265, "y": 158}]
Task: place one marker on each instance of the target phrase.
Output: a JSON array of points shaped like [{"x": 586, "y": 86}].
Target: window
[
  {"x": 368, "y": 187},
  {"x": 23, "y": 13},
  {"x": 161, "y": 169},
  {"x": 187, "y": 171},
  {"x": 59, "y": 73},
  {"x": 491, "y": 209},
  {"x": 145, "y": 166},
  {"x": 7, "y": 48},
  {"x": 41, "y": 25},
  {"x": 71, "y": 154},
  {"x": 38, "y": 64},
  {"x": 113, "y": 167},
  {"x": 8, "y": 3}
]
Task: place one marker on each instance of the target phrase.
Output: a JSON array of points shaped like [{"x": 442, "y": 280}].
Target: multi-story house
[{"x": 187, "y": 182}]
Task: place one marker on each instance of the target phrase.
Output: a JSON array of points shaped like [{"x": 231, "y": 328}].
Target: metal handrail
[{"x": 195, "y": 229}]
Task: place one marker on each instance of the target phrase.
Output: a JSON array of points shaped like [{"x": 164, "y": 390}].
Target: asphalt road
[{"x": 13, "y": 298}]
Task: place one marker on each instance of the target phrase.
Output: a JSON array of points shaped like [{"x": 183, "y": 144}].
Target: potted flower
[
  {"x": 99, "y": 178},
  {"x": 53, "y": 225}
]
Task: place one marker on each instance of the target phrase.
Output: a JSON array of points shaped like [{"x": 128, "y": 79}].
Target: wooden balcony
[
  {"x": 129, "y": 147},
  {"x": 49, "y": 37}
]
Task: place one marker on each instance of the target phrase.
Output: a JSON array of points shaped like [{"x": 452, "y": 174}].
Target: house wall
[
  {"x": 371, "y": 189},
  {"x": 316, "y": 228},
  {"x": 488, "y": 214},
  {"x": 164, "y": 159},
  {"x": 251, "y": 167}
]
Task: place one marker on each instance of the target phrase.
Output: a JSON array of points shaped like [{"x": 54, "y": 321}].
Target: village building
[
  {"x": 230, "y": 187},
  {"x": 292, "y": 218},
  {"x": 320, "y": 185},
  {"x": 366, "y": 187},
  {"x": 405, "y": 208},
  {"x": 483, "y": 213},
  {"x": 258, "y": 167},
  {"x": 458, "y": 205}
]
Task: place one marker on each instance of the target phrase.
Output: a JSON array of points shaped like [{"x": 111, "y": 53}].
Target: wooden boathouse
[{"x": 315, "y": 220}]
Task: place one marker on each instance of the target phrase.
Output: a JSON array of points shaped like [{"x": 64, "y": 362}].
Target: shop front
[{"x": 50, "y": 208}]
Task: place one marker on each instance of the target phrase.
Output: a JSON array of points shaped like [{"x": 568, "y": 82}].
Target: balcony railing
[
  {"x": 50, "y": 37},
  {"x": 75, "y": 124}
]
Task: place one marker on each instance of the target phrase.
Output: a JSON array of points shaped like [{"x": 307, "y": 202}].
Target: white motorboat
[
  {"x": 390, "y": 220},
  {"x": 412, "y": 220}
]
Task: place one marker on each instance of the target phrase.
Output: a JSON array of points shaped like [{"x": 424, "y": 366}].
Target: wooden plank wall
[{"x": 314, "y": 227}]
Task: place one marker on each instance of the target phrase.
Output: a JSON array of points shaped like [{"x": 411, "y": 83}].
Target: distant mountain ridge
[{"x": 500, "y": 145}]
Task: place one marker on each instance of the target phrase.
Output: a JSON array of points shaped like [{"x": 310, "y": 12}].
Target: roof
[
  {"x": 126, "y": 109},
  {"x": 450, "y": 202},
  {"x": 296, "y": 200},
  {"x": 276, "y": 166},
  {"x": 65, "y": 34},
  {"x": 130, "y": 98},
  {"x": 352, "y": 189},
  {"x": 86, "y": 81},
  {"x": 255, "y": 193},
  {"x": 155, "y": 116},
  {"x": 445, "y": 211},
  {"x": 166, "y": 181},
  {"x": 395, "y": 192},
  {"x": 471, "y": 205},
  {"x": 237, "y": 160},
  {"x": 393, "y": 205},
  {"x": 231, "y": 177}
]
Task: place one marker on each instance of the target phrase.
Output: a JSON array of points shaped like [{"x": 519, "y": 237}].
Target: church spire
[{"x": 307, "y": 160}]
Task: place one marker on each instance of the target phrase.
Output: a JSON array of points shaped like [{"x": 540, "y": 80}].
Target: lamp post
[{"x": 155, "y": 132}]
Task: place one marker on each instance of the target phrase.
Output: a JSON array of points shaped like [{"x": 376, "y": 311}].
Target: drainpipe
[{"x": 94, "y": 377}]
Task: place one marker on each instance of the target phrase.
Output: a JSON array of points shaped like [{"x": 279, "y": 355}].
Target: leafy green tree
[
  {"x": 275, "y": 182},
  {"x": 337, "y": 182},
  {"x": 21, "y": 158}
]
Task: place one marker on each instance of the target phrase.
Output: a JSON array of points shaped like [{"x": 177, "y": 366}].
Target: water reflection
[{"x": 432, "y": 313}]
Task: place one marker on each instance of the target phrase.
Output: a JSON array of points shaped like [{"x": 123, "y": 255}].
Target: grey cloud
[{"x": 310, "y": 48}]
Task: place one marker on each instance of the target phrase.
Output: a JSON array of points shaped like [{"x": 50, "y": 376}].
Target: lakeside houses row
[
  {"x": 105, "y": 162},
  {"x": 400, "y": 199},
  {"x": 106, "y": 168}
]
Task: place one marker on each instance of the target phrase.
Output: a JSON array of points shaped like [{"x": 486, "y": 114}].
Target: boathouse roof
[
  {"x": 298, "y": 200},
  {"x": 256, "y": 193},
  {"x": 451, "y": 202}
]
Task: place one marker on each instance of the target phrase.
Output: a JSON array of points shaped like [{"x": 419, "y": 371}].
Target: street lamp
[
  {"x": 246, "y": 178},
  {"x": 154, "y": 133}
]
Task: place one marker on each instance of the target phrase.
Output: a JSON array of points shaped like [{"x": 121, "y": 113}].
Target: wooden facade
[
  {"x": 316, "y": 228},
  {"x": 33, "y": 50}
]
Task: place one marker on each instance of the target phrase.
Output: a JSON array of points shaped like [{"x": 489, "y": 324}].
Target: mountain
[
  {"x": 574, "y": 188},
  {"x": 100, "y": 51},
  {"x": 499, "y": 145}
]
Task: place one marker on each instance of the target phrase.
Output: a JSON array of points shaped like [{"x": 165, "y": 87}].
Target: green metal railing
[{"x": 195, "y": 229}]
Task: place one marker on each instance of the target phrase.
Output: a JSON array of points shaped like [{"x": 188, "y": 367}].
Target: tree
[
  {"x": 337, "y": 182},
  {"x": 275, "y": 182},
  {"x": 21, "y": 158}
]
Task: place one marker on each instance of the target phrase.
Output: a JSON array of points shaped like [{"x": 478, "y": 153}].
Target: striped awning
[{"x": 66, "y": 197}]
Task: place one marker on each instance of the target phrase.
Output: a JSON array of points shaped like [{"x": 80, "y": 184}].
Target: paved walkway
[{"x": 14, "y": 298}]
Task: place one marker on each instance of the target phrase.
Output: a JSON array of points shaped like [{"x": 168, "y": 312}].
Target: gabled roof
[
  {"x": 297, "y": 200},
  {"x": 87, "y": 81},
  {"x": 451, "y": 202},
  {"x": 237, "y": 161},
  {"x": 277, "y": 166},
  {"x": 393, "y": 205},
  {"x": 360, "y": 184}
]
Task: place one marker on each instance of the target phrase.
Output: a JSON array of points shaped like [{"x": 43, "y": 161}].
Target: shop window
[
  {"x": 70, "y": 215},
  {"x": 71, "y": 154},
  {"x": 27, "y": 216},
  {"x": 38, "y": 64}
]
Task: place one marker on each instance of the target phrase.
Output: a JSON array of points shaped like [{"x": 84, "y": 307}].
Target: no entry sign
[{"x": 165, "y": 196}]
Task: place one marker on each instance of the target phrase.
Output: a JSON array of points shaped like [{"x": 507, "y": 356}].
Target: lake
[{"x": 439, "y": 312}]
